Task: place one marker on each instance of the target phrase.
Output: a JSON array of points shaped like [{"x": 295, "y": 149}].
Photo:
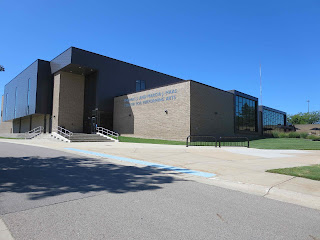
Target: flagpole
[{"x": 260, "y": 87}]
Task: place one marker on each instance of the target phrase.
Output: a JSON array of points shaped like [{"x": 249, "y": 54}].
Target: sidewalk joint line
[{"x": 278, "y": 185}]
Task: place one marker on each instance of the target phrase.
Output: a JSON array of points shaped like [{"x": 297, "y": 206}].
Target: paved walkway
[
  {"x": 234, "y": 168},
  {"x": 50, "y": 194}
]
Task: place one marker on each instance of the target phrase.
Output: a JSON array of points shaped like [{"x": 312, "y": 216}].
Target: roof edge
[{"x": 25, "y": 69}]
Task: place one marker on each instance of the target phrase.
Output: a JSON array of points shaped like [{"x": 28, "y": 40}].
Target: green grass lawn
[
  {"x": 152, "y": 141},
  {"x": 269, "y": 143},
  {"x": 311, "y": 172},
  {"x": 10, "y": 138},
  {"x": 285, "y": 143}
]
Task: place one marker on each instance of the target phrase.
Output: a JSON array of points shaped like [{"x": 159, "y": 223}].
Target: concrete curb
[
  {"x": 272, "y": 192},
  {"x": 241, "y": 186},
  {"x": 294, "y": 197},
  {"x": 275, "y": 193}
]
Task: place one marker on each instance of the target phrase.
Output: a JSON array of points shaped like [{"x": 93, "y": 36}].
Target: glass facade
[
  {"x": 272, "y": 120},
  {"x": 246, "y": 115}
]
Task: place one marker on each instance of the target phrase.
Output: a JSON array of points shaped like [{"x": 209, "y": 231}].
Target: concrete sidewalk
[
  {"x": 239, "y": 169},
  {"x": 4, "y": 231}
]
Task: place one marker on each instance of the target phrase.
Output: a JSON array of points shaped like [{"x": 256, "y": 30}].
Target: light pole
[{"x": 308, "y": 105}]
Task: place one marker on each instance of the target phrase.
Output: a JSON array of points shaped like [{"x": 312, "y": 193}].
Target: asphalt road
[{"x": 48, "y": 194}]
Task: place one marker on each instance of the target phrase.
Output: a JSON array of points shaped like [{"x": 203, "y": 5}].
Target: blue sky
[{"x": 219, "y": 43}]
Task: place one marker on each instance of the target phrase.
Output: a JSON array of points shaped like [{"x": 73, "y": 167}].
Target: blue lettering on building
[{"x": 168, "y": 95}]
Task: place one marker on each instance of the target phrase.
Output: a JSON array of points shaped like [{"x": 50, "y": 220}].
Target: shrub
[
  {"x": 283, "y": 135},
  {"x": 313, "y": 137},
  {"x": 303, "y": 135},
  {"x": 275, "y": 134},
  {"x": 294, "y": 135}
]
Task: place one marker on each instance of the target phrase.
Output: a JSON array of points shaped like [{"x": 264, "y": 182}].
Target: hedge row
[{"x": 295, "y": 135}]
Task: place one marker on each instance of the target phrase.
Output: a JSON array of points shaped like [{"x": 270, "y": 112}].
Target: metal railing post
[
  {"x": 233, "y": 141},
  {"x": 197, "y": 140},
  {"x": 107, "y": 132},
  {"x": 34, "y": 132}
]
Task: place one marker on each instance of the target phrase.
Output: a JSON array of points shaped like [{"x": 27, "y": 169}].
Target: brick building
[{"x": 79, "y": 90}]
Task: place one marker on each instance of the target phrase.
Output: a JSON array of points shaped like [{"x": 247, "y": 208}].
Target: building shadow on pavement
[{"x": 46, "y": 177}]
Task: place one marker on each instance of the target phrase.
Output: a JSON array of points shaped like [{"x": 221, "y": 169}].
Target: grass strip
[
  {"x": 10, "y": 138},
  {"x": 151, "y": 141},
  {"x": 269, "y": 143},
  {"x": 285, "y": 143},
  {"x": 310, "y": 172}
]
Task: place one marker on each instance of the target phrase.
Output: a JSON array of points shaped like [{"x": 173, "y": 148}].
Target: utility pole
[
  {"x": 260, "y": 87},
  {"x": 308, "y": 105}
]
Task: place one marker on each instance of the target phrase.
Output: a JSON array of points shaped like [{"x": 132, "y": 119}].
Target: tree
[
  {"x": 1, "y": 68},
  {"x": 304, "y": 118}
]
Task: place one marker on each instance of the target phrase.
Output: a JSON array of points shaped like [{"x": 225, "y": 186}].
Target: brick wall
[
  {"x": 55, "y": 101},
  {"x": 161, "y": 113},
  {"x": 5, "y": 127},
  {"x": 68, "y": 101},
  {"x": 212, "y": 111}
]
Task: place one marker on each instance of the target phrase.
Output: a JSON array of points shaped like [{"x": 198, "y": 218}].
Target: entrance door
[
  {"x": 93, "y": 124},
  {"x": 95, "y": 120}
]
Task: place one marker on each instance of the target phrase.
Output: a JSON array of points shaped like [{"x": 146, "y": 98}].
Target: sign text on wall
[{"x": 168, "y": 95}]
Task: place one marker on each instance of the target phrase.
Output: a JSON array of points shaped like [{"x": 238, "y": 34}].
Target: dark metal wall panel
[
  {"x": 89, "y": 100},
  {"x": 59, "y": 62},
  {"x": 44, "y": 88},
  {"x": 115, "y": 78},
  {"x": 16, "y": 94}
]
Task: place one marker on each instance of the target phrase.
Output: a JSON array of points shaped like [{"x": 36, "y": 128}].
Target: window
[
  {"x": 6, "y": 109},
  {"x": 140, "y": 85},
  {"x": 272, "y": 120},
  {"x": 15, "y": 103},
  {"x": 246, "y": 115},
  {"x": 28, "y": 96}
]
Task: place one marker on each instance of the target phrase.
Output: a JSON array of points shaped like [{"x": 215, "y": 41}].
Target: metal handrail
[
  {"x": 107, "y": 132},
  {"x": 234, "y": 138},
  {"x": 34, "y": 132},
  {"x": 199, "y": 136},
  {"x": 63, "y": 132}
]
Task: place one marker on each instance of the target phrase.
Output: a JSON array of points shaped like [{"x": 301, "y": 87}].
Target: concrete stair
[{"x": 83, "y": 137}]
